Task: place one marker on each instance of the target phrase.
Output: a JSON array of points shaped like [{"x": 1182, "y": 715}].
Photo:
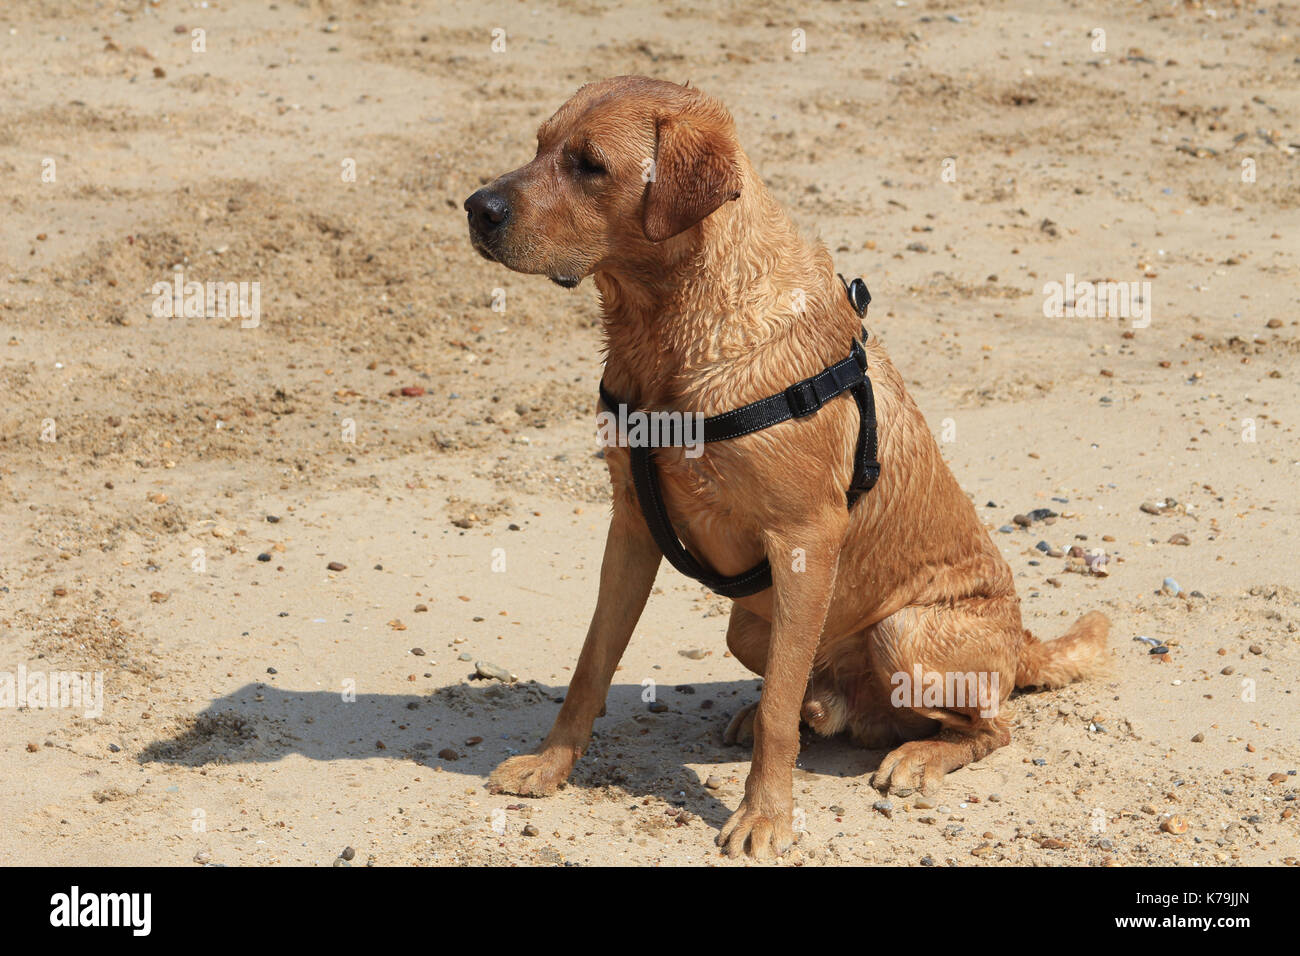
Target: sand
[{"x": 262, "y": 712}]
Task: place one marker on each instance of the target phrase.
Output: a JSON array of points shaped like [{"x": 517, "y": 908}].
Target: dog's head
[{"x": 622, "y": 166}]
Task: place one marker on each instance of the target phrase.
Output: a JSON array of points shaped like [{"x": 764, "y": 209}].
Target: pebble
[
  {"x": 1198, "y": 738},
  {"x": 1175, "y": 824},
  {"x": 273, "y": 519},
  {"x": 339, "y": 861},
  {"x": 924, "y": 803},
  {"x": 264, "y": 556},
  {"x": 490, "y": 671},
  {"x": 446, "y": 753},
  {"x": 1159, "y": 649},
  {"x": 421, "y": 608},
  {"x": 1170, "y": 586},
  {"x": 1180, "y": 538},
  {"x": 658, "y": 707},
  {"x": 714, "y": 782},
  {"x": 418, "y": 651},
  {"x": 1256, "y": 649},
  {"x": 203, "y": 856},
  {"x": 272, "y": 670},
  {"x": 465, "y": 656},
  {"x": 995, "y": 798},
  {"x": 336, "y": 566},
  {"x": 530, "y": 830},
  {"x": 694, "y": 653},
  {"x": 884, "y": 806},
  {"x": 348, "y": 853}
]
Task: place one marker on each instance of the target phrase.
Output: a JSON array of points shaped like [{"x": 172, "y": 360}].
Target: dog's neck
[{"x": 716, "y": 296}]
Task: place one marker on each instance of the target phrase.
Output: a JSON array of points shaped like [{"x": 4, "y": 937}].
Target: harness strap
[{"x": 799, "y": 400}]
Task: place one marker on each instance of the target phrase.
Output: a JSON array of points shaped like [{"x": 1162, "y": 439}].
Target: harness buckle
[
  {"x": 858, "y": 352},
  {"x": 802, "y": 398}
]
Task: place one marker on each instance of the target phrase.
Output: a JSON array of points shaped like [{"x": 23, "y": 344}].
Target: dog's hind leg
[{"x": 946, "y": 669}]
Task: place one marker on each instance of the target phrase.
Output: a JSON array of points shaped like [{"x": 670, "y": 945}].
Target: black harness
[{"x": 799, "y": 400}]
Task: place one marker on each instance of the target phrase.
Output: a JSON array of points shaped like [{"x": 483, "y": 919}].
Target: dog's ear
[{"x": 695, "y": 171}]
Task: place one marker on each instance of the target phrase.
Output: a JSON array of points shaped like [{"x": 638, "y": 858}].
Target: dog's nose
[{"x": 487, "y": 210}]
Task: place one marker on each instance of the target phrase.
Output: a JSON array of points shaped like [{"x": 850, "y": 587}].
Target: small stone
[
  {"x": 348, "y": 853},
  {"x": 489, "y": 671},
  {"x": 1256, "y": 649},
  {"x": 418, "y": 651},
  {"x": 924, "y": 803},
  {"x": 446, "y": 753},
  {"x": 339, "y": 861},
  {"x": 885, "y": 807},
  {"x": 273, "y": 519},
  {"x": 1180, "y": 538},
  {"x": 714, "y": 782},
  {"x": 1228, "y": 670},
  {"x": 1174, "y": 824},
  {"x": 530, "y": 830},
  {"x": 421, "y": 608},
  {"x": 465, "y": 656},
  {"x": 658, "y": 707},
  {"x": 202, "y": 857},
  {"x": 272, "y": 670},
  {"x": 694, "y": 653},
  {"x": 1198, "y": 738},
  {"x": 264, "y": 557},
  {"x": 995, "y": 798},
  {"x": 336, "y": 566}
]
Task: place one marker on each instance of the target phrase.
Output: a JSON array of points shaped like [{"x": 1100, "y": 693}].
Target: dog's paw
[
  {"x": 762, "y": 834},
  {"x": 530, "y": 775},
  {"x": 741, "y": 729},
  {"x": 916, "y": 765}
]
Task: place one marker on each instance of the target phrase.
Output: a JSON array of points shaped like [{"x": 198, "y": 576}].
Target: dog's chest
[{"x": 707, "y": 510}]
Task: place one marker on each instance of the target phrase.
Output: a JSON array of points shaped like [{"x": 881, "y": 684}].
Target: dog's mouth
[{"x": 484, "y": 249}]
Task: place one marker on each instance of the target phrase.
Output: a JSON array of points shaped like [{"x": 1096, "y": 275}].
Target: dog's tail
[{"x": 1076, "y": 654}]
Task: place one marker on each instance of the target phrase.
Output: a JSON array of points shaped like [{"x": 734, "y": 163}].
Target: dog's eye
[{"x": 588, "y": 165}]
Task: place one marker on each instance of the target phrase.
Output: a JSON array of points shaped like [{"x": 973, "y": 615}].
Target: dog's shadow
[{"x": 469, "y": 728}]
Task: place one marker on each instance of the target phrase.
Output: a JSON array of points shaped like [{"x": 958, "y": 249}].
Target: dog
[{"x": 642, "y": 185}]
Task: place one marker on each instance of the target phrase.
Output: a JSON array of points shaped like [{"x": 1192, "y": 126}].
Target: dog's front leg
[
  {"x": 803, "y": 576},
  {"x": 626, "y": 576}
]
